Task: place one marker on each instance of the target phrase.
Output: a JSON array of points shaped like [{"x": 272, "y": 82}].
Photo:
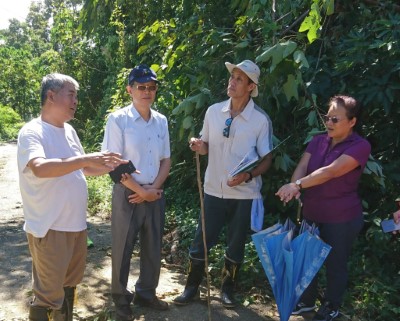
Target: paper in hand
[{"x": 249, "y": 161}]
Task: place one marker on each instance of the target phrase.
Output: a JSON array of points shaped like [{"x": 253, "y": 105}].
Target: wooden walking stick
[{"x": 203, "y": 227}]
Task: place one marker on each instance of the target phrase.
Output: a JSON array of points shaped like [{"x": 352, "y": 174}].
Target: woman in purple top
[{"x": 327, "y": 179}]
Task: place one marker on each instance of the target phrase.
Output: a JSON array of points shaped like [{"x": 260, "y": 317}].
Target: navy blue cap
[{"x": 141, "y": 74}]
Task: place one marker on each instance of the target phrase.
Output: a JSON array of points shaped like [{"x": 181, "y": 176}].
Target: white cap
[{"x": 250, "y": 69}]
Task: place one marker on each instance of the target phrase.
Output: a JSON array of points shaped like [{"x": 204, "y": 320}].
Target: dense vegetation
[{"x": 308, "y": 50}]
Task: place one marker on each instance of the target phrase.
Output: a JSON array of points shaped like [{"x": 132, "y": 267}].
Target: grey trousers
[{"x": 128, "y": 222}]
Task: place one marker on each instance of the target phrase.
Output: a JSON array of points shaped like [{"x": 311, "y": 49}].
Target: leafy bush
[
  {"x": 10, "y": 123},
  {"x": 100, "y": 191},
  {"x": 373, "y": 290},
  {"x": 182, "y": 214}
]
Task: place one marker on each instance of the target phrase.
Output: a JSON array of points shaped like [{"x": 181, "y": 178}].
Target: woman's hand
[
  {"x": 288, "y": 191},
  {"x": 396, "y": 219}
]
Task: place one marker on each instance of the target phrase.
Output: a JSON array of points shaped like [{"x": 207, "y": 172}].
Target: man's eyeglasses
[
  {"x": 228, "y": 124},
  {"x": 334, "y": 119},
  {"x": 145, "y": 88}
]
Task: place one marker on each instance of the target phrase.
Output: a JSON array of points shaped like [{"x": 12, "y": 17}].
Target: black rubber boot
[
  {"x": 229, "y": 278},
  {"x": 68, "y": 305},
  {"x": 57, "y": 315},
  {"x": 195, "y": 276},
  {"x": 37, "y": 313}
]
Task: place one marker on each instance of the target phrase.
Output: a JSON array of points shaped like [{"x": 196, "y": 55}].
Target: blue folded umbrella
[
  {"x": 276, "y": 229},
  {"x": 289, "y": 261}
]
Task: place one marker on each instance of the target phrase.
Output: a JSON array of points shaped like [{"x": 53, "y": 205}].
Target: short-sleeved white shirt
[
  {"x": 145, "y": 143},
  {"x": 251, "y": 129},
  {"x": 57, "y": 203}
]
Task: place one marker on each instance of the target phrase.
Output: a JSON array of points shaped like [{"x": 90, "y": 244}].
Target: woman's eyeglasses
[
  {"x": 144, "y": 88},
  {"x": 334, "y": 119},
  {"x": 228, "y": 124}
]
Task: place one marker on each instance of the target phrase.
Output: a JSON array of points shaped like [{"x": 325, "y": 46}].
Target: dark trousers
[
  {"x": 128, "y": 222},
  {"x": 341, "y": 237},
  {"x": 218, "y": 212}
]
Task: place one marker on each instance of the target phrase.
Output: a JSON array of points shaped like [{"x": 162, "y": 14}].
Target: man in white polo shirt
[{"x": 231, "y": 129}]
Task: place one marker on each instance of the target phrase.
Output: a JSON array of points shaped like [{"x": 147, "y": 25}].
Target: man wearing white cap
[{"x": 231, "y": 129}]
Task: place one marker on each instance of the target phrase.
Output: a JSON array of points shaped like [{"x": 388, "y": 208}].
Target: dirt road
[{"x": 93, "y": 292}]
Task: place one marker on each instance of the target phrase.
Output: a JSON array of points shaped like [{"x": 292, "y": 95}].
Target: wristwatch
[{"x": 298, "y": 184}]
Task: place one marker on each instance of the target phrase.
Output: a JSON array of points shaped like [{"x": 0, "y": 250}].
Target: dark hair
[
  {"x": 55, "y": 82},
  {"x": 352, "y": 107}
]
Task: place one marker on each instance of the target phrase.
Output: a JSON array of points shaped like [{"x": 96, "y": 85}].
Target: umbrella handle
[{"x": 299, "y": 207}]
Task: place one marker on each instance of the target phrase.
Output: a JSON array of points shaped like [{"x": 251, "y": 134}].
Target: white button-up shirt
[
  {"x": 252, "y": 128},
  {"x": 144, "y": 143}
]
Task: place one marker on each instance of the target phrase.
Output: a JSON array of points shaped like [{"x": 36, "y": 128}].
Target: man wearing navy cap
[{"x": 140, "y": 134}]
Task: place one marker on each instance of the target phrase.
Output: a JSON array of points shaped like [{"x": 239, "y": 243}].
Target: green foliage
[
  {"x": 307, "y": 52},
  {"x": 182, "y": 214},
  {"x": 376, "y": 297},
  {"x": 19, "y": 87},
  {"x": 313, "y": 22},
  {"x": 10, "y": 123},
  {"x": 100, "y": 191}
]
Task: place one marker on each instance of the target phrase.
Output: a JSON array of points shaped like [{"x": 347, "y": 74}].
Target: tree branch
[{"x": 296, "y": 22}]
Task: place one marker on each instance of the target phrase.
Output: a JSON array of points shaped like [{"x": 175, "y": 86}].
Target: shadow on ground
[{"x": 94, "y": 299}]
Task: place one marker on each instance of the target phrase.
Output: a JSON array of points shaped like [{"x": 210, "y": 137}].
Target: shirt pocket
[
  {"x": 243, "y": 141},
  {"x": 159, "y": 137}
]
